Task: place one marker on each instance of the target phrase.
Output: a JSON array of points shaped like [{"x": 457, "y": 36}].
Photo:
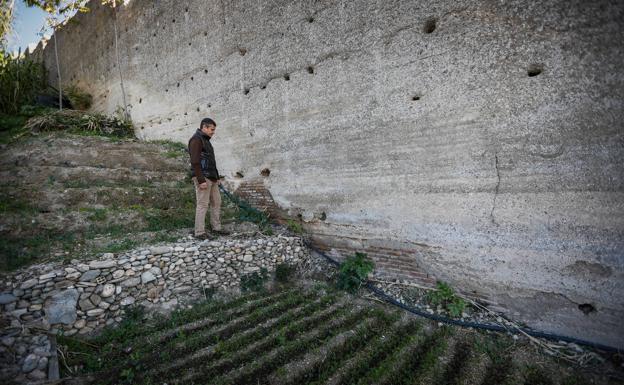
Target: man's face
[{"x": 208, "y": 129}]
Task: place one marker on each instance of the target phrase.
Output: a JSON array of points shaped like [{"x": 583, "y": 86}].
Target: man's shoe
[
  {"x": 203, "y": 236},
  {"x": 221, "y": 232}
]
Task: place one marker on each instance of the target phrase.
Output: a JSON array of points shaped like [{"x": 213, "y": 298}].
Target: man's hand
[{"x": 203, "y": 186}]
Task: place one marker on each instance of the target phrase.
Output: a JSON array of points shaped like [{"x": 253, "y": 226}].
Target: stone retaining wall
[{"x": 84, "y": 296}]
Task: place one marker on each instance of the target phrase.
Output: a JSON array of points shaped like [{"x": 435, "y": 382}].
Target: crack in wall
[{"x": 496, "y": 189}]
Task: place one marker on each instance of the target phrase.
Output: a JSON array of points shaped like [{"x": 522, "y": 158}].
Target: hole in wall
[
  {"x": 209, "y": 105},
  {"x": 189, "y": 43},
  {"x": 534, "y": 70},
  {"x": 300, "y": 216},
  {"x": 169, "y": 119},
  {"x": 287, "y": 77},
  {"x": 586, "y": 308},
  {"x": 173, "y": 21},
  {"x": 197, "y": 109},
  {"x": 323, "y": 216},
  {"x": 310, "y": 20},
  {"x": 178, "y": 85},
  {"x": 415, "y": 97},
  {"x": 185, "y": 113},
  {"x": 262, "y": 87},
  {"x": 156, "y": 65},
  {"x": 239, "y": 174},
  {"x": 136, "y": 48},
  {"x": 191, "y": 78},
  {"x": 142, "y": 127},
  {"x": 310, "y": 70},
  {"x": 163, "y": 27},
  {"x": 246, "y": 91},
  {"x": 205, "y": 33},
  {"x": 154, "y": 34},
  {"x": 186, "y": 9},
  {"x": 140, "y": 100},
  {"x": 205, "y": 71},
  {"x": 242, "y": 51},
  {"x": 166, "y": 90},
  {"x": 265, "y": 172},
  {"x": 430, "y": 25}
]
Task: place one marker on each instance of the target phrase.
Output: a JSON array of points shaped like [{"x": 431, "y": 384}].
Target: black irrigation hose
[
  {"x": 476, "y": 325},
  {"x": 435, "y": 317}
]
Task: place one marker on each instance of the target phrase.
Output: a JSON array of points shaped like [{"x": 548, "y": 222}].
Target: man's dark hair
[{"x": 206, "y": 122}]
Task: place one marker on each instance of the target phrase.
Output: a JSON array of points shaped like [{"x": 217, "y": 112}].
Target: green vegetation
[
  {"x": 81, "y": 122},
  {"x": 354, "y": 272},
  {"x": 79, "y": 99},
  {"x": 445, "y": 296},
  {"x": 20, "y": 81},
  {"x": 170, "y": 145},
  {"x": 294, "y": 226},
  {"x": 295, "y": 336},
  {"x": 254, "y": 281},
  {"x": 284, "y": 272}
]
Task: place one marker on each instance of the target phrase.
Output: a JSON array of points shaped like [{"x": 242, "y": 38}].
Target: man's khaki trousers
[{"x": 203, "y": 198}]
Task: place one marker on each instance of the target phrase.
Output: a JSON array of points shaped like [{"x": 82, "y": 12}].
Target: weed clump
[
  {"x": 354, "y": 272},
  {"x": 81, "y": 122},
  {"x": 284, "y": 272},
  {"x": 78, "y": 98},
  {"x": 295, "y": 227},
  {"x": 254, "y": 281},
  {"x": 445, "y": 296}
]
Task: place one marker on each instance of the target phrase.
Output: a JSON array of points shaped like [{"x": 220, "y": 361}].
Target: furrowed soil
[{"x": 307, "y": 335}]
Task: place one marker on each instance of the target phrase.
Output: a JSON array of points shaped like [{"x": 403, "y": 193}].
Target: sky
[{"x": 27, "y": 23}]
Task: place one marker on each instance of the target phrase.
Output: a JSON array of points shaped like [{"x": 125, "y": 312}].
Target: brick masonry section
[
  {"x": 257, "y": 195},
  {"x": 390, "y": 263}
]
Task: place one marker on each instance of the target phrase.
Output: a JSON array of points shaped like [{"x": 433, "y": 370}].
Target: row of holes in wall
[
  {"x": 263, "y": 172},
  {"x": 429, "y": 26}
]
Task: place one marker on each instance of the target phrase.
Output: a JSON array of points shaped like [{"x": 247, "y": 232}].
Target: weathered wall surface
[{"x": 480, "y": 142}]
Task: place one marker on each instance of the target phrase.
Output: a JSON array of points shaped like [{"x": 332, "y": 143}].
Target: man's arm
[{"x": 195, "y": 148}]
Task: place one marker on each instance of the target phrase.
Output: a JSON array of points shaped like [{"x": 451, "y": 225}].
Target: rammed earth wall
[{"x": 481, "y": 142}]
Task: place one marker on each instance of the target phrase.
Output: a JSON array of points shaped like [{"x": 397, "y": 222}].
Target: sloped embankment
[
  {"x": 67, "y": 195},
  {"x": 295, "y": 336}
]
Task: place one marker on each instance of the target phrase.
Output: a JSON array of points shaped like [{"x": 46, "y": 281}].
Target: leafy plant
[
  {"x": 283, "y": 272},
  {"x": 445, "y": 296},
  {"x": 254, "y": 281},
  {"x": 79, "y": 99},
  {"x": 294, "y": 226},
  {"x": 354, "y": 272},
  {"x": 79, "y": 121},
  {"x": 21, "y": 80}
]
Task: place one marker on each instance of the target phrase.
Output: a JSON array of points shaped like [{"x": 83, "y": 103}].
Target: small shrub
[
  {"x": 254, "y": 281},
  {"x": 294, "y": 226},
  {"x": 284, "y": 272},
  {"x": 445, "y": 296},
  {"x": 354, "y": 272},
  {"x": 79, "y": 99}
]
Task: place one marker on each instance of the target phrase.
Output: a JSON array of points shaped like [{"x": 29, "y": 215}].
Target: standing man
[{"x": 205, "y": 178}]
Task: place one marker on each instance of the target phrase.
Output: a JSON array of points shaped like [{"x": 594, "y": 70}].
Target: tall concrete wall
[{"x": 477, "y": 142}]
